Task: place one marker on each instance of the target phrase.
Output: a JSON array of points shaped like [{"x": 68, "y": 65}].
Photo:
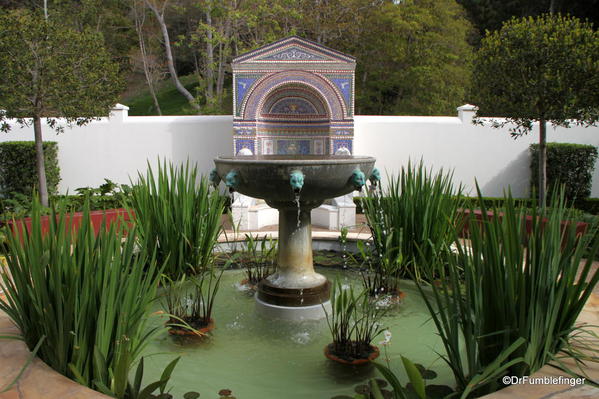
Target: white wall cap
[
  {"x": 119, "y": 106},
  {"x": 468, "y": 107}
]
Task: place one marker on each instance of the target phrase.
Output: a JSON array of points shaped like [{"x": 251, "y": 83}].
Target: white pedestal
[{"x": 252, "y": 214}]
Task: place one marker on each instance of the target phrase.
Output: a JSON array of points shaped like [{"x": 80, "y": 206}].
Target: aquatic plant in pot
[
  {"x": 189, "y": 302},
  {"x": 354, "y": 322},
  {"x": 380, "y": 272},
  {"x": 258, "y": 258}
]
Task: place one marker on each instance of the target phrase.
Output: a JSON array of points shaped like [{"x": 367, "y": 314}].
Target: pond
[{"x": 257, "y": 357}]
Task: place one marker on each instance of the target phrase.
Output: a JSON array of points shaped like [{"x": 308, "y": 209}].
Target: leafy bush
[
  {"x": 412, "y": 220},
  {"x": 18, "y": 170},
  {"x": 86, "y": 297},
  {"x": 504, "y": 308},
  {"x": 178, "y": 211},
  {"x": 568, "y": 164},
  {"x": 108, "y": 195}
]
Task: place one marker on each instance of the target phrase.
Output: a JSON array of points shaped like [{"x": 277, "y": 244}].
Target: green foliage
[
  {"x": 171, "y": 101},
  {"x": 414, "y": 375},
  {"x": 487, "y": 335},
  {"x": 17, "y": 168},
  {"x": 108, "y": 195},
  {"x": 354, "y": 321},
  {"x": 413, "y": 58},
  {"x": 490, "y": 14},
  {"x": 52, "y": 71},
  {"x": 412, "y": 220},
  {"x": 178, "y": 211},
  {"x": 191, "y": 307},
  {"x": 88, "y": 295},
  {"x": 568, "y": 164},
  {"x": 539, "y": 69},
  {"x": 259, "y": 258}
]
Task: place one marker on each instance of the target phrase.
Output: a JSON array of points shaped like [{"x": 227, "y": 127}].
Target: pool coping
[{"x": 40, "y": 381}]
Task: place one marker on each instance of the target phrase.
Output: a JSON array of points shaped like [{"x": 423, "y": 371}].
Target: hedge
[
  {"x": 586, "y": 205},
  {"x": 18, "y": 170},
  {"x": 568, "y": 164}
]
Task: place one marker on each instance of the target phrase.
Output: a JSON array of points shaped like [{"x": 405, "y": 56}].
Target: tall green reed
[
  {"x": 260, "y": 258},
  {"x": 507, "y": 303},
  {"x": 176, "y": 210},
  {"x": 86, "y": 296},
  {"x": 354, "y": 320},
  {"x": 412, "y": 221},
  {"x": 189, "y": 301}
]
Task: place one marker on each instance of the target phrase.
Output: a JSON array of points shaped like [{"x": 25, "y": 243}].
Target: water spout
[
  {"x": 375, "y": 177},
  {"x": 296, "y": 179},
  {"x": 214, "y": 177},
  {"x": 232, "y": 180},
  {"x": 358, "y": 179}
]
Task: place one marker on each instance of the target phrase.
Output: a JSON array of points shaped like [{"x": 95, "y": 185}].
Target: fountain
[
  {"x": 293, "y": 140},
  {"x": 295, "y": 290}
]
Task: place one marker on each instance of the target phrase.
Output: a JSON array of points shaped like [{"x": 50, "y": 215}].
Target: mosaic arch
[{"x": 293, "y": 96}]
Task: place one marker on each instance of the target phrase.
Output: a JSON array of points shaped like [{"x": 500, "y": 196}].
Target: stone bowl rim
[{"x": 311, "y": 161}]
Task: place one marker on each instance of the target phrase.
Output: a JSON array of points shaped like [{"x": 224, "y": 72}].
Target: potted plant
[
  {"x": 189, "y": 302},
  {"x": 258, "y": 259},
  {"x": 354, "y": 322},
  {"x": 380, "y": 275}
]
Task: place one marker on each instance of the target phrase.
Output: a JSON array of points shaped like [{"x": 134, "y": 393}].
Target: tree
[
  {"x": 542, "y": 69},
  {"x": 150, "y": 65},
  {"x": 54, "y": 72},
  {"x": 159, "y": 12},
  {"x": 490, "y": 14},
  {"x": 413, "y": 56}
]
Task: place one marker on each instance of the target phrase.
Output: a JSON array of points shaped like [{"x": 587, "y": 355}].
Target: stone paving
[{"x": 39, "y": 381}]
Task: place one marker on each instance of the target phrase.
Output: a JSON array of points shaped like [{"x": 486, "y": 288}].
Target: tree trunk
[
  {"x": 39, "y": 157},
  {"x": 209, "y": 55},
  {"x": 139, "y": 21},
  {"x": 542, "y": 162},
  {"x": 169, "y": 57},
  {"x": 224, "y": 48}
]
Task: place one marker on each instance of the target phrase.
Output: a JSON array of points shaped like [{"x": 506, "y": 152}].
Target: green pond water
[{"x": 262, "y": 358}]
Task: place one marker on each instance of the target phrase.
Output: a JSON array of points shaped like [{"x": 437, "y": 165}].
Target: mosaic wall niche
[{"x": 293, "y": 96}]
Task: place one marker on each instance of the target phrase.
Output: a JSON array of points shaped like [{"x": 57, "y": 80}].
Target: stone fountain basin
[{"x": 268, "y": 176}]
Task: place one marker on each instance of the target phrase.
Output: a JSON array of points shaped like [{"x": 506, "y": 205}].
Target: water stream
[{"x": 299, "y": 209}]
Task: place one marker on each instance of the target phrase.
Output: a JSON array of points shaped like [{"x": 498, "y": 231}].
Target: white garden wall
[{"x": 117, "y": 147}]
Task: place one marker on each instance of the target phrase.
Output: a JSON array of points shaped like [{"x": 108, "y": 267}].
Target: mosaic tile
[{"x": 293, "y": 96}]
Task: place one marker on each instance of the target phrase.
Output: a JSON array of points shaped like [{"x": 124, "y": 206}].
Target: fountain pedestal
[{"x": 295, "y": 290}]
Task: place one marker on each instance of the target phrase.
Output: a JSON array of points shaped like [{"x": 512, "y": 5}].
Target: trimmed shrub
[
  {"x": 18, "y": 171},
  {"x": 568, "y": 164}
]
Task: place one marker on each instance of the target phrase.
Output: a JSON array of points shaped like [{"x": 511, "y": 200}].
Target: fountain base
[
  {"x": 293, "y": 297},
  {"x": 295, "y": 313}
]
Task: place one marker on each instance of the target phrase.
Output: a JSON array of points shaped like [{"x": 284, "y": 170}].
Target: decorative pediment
[
  {"x": 294, "y": 53},
  {"x": 294, "y": 49}
]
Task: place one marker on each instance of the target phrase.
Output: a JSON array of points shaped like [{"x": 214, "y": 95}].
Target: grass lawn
[{"x": 171, "y": 101}]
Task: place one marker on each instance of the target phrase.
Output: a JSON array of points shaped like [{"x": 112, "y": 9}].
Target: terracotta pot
[
  {"x": 246, "y": 281},
  {"x": 374, "y": 353},
  {"x": 191, "y": 333}
]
